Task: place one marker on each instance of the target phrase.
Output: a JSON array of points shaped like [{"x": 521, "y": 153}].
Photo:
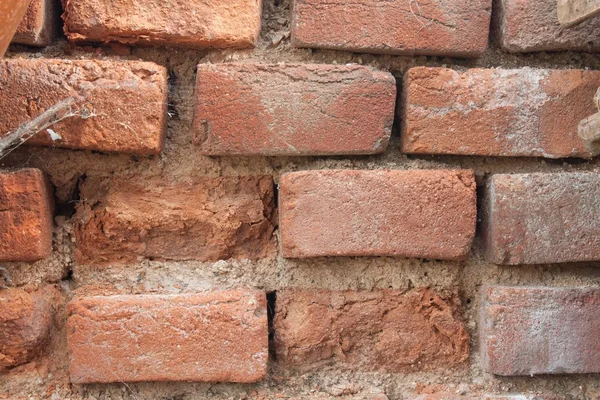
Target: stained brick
[
  {"x": 253, "y": 109},
  {"x": 494, "y": 112},
  {"x": 40, "y": 24},
  {"x": 26, "y": 208},
  {"x": 387, "y": 330},
  {"x": 209, "y": 337},
  {"x": 542, "y": 218},
  {"x": 448, "y": 28},
  {"x": 187, "y": 23},
  {"x": 540, "y": 330},
  {"x": 425, "y": 214},
  {"x": 124, "y": 219},
  {"x": 127, "y": 102}
]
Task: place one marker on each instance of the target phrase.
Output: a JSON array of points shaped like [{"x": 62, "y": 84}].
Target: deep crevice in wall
[{"x": 271, "y": 303}]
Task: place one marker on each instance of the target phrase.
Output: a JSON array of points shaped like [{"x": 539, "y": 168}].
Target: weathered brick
[
  {"x": 392, "y": 331},
  {"x": 127, "y": 102},
  {"x": 187, "y": 23},
  {"x": 540, "y": 330},
  {"x": 527, "y": 26},
  {"x": 208, "y": 337},
  {"x": 293, "y": 109},
  {"x": 26, "y": 215},
  {"x": 25, "y": 321},
  {"x": 494, "y": 112},
  {"x": 425, "y": 214},
  {"x": 11, "y": 14},
  {"x": 40, "y": 24},
  {"x": 446, "y": 28},
  {"x": 126, "y": 219},
  {"x": 542, "y": 218}
]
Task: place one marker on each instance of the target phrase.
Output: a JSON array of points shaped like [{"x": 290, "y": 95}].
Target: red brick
[
  {"x": 527, "y": 26},
  {"x": 542, "y": 218},
  {"x": 187, "y": 23},
  {"x": 493, "y": 112},
  {"x": 25, "y": 322},
  {"x": 293, "y": 109},
  {"x": 40, "y": 24},
  {"x": 207, "y": 337},
  {"x": 26, "y": 215},
  {"x": 391, "y": 331},
  {"x": 127, "y": 101},
  {"x": 127, "y": 219},
  {"x": 538, "y": 330},
  {"x": 425, "y": 214},
  {"x": 443, "y": 28}
]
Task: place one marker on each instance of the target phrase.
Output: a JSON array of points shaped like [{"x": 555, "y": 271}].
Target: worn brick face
[
  {"x": 25, "y": 322},
  {"x": 542, "y": 218},
  {"x": 123, "y": 220},
  {"x": 386, "y": 330},
  {"x": 127, "y": 102},
  {"x": 187, "y": 23},
  {"x": 251, "y": 109},
  {"x": 26, "y": 214},
  {"x": 425, "y": 214},
  {"x": 209, "y": 337},
  {"x": 448, "y": 28},
  {"x": 493, "y": 112},
  {"x": 540, "y": 330},
  {"x": 39, "y": 25},
  {"x": 527, "y": 26}
]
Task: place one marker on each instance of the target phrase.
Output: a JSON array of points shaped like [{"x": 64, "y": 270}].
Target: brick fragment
[
  {"x": 542, "y": 218},
  {"x": 424, "y": 214},
  {"x": 208, "y": 337},
  {"x": 26, "y": 215},
  {"x": 529, "y": 26},
  {"x": 25, "y": 321},
  {"x": 127, "y": 102},
  {"x": 40, "y": 24},
  {"x": 252, "y": 109},
  {"x": 441, "y": 28},
  {"x": 391, "y": 331},
  {"x": 187, "y": 23},
  {"x": 127, "y": 219},
  {"x": 540, "y": 330},
  {"x": 494, "y": 112}
]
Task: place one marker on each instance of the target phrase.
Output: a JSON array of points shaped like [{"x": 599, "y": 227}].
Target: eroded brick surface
[
  {"x": 373, "y": 331},
  {"x": 418, "y": 213},
  {"x": 495, "y": 112},
  {"x": 540, "y": 330},
  {"x": 293, "y": 109},
  {"x": 211, "y": 337},
  {"x": 40, "y": 24}
]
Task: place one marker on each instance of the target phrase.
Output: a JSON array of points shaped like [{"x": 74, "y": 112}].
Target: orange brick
[
  {"x": 208, "y": 337},
  {"x": 187, "y": 23},
  {"x": 127, "y": 100},
  {"x": 26, "y": 215},
  {"x": 494, "y": 112},
  {"x": 40, "y": 24},
  {"x": 254, "y": 109}
]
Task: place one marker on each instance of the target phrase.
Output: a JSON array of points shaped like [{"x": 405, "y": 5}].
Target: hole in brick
[
  {"x": 276, "y": 194},
  {"x": 468, "y": 301},
  {"x": 271, "y": 303},
  {"x": 171, "y": 108},
  {"x": 67, "y": 209}
]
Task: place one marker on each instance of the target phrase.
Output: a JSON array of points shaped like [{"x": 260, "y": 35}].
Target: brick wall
[{"x": 300, "y": 199}]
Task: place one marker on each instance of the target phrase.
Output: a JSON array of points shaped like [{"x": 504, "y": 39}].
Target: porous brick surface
[
  {"x": 252, "y": 109},
  {"x": 496, "y": 112},
  {"x": 40, "y": 24}
]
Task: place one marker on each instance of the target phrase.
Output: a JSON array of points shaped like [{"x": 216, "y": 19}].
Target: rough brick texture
[
  {"x": 293, "y": 109},
  {"x": 542, "y": 218},
  {"x": 526, "y": 26},
  {"x": 386, "y": 330},
  {"x": 449, "y": 28},
  {"x": 425, "y": 214},
  {"x": 536, "y": 330},
  {"x": 188, "y": 23},
  {"x": 209, "y": 337},
  {"x": 494, "y": 112},
  {"x": 40, "y": 24},
  {"x": 127, "y": 102},
  {"x": 207, "y": 219},
  {"x": 26, "y": 214},
  {"x": 25, "y": 322}
]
